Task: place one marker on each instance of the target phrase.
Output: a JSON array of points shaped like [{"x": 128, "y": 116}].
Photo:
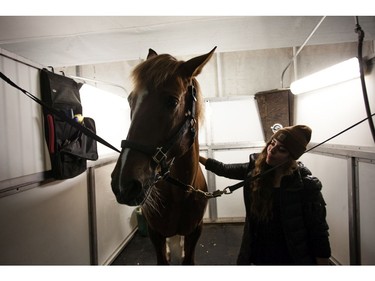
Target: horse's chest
[{"x": 178, "y": 216}]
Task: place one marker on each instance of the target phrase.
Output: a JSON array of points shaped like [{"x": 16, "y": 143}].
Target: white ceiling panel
[{"x": 80, "y": 40}]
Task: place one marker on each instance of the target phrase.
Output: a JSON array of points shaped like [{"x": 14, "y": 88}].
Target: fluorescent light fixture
[{"x": 333, "y": 75}]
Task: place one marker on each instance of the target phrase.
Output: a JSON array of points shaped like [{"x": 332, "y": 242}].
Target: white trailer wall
[
  {"x": 333, "y": 173},
  {"x": 114, "y": 222},
  {"x": 66, "y": 222},
  {"x": 344, "y": 163},
  {"x": 366, "y": 182},
  {"x": 22, "y": 150},
  {"x": 229, "y": 123},
  {"x": 46, "y": 225}
]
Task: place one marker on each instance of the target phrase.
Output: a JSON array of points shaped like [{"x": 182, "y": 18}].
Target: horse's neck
[{"x": 186, "y": 166}]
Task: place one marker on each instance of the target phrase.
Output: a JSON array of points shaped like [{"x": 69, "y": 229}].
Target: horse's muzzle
[{"x": 129, "y": 193}]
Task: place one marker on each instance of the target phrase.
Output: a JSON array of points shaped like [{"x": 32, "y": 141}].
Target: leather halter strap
[{"x": 159, "y": 154}]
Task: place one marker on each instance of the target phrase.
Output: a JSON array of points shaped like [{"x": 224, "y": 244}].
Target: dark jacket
[{"x": 303, "y": 212}]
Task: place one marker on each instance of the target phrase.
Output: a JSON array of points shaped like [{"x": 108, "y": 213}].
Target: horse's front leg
[
  {"x": 190, "y": 242},
  {"x": 159, "y": 243}
]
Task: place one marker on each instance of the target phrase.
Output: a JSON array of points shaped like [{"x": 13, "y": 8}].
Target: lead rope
[
  {"x": 231, "y": 188},
  {"x": 217, "y": 193},
  {"x": 60, "y": 114}
]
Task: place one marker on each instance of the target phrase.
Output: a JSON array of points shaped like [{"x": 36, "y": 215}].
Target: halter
[{"x": 159, "y": 154}]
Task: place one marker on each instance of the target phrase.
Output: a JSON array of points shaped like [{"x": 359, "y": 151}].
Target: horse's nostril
[
  {"x": 130, "y": 193},
  {"x": 133, "y": 187}
]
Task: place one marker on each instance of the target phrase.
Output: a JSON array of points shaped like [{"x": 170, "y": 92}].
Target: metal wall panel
[
  {"x": 231, "y": 206},
  {"x": 366, "y": 211},
  {"x": 115, "y": 222},
  {"x": 232, "y": 131},
  {"x": 22, "y": 150},
  {"x": 234, "y": 121},
  {"x": 55, "y": 222},
  {"x": 334, "y": 177},
  {"x": 111, "y": 114},
  {"x": 47, "y": 225}
]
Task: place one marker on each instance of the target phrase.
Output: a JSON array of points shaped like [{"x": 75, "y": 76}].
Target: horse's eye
[{"x": 172, "y": 102}]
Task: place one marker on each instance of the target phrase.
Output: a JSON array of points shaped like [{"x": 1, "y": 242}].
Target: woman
[{"x": 285, "y": 210}]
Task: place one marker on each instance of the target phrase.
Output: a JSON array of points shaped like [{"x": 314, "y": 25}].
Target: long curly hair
[{"x": 262, "y": 187}]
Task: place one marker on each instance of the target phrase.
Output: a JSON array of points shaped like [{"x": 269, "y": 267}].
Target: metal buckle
[{"x": 159, "y": 153}]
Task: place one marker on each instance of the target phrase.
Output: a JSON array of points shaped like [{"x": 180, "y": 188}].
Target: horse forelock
[{"x": 156, "y": 71}]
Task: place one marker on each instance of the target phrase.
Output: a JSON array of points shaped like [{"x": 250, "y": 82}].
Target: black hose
[{"x": 361, "y": 35}]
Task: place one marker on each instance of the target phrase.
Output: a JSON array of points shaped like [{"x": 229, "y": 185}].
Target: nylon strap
[
  {"x": 250, "y": 178},
  {"x": 60, "y": 114}
]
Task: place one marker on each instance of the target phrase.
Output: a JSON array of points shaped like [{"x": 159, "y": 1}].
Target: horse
[{"x": 158, "y": 167}]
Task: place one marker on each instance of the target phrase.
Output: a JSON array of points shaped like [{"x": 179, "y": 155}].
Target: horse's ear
[
  {"x": 151, "y": 53},
  {"x": 194, "y": 66}
]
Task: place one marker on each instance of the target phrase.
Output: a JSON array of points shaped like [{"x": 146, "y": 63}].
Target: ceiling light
[{"x": 333, "y": 75}]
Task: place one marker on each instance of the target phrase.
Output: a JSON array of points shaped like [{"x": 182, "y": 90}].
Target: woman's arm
[{"x": 232, "y": 171}]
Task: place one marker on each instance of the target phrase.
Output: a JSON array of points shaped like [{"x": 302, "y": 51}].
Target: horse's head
[{"x": 164, "y": 108}]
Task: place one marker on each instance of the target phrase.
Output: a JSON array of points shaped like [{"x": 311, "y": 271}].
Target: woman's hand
[{"x": 202, "y": 160}]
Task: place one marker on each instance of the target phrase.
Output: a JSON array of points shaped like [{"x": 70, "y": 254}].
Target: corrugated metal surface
[
  {"x": 22, "y": 150},
  {"x": 50, "y": 223}
]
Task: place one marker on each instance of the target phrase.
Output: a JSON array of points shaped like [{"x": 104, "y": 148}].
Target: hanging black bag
[{"x": 68, "y": 147}]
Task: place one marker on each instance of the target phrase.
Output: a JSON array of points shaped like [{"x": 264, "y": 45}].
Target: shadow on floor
[{"x": 218, "y": 245}]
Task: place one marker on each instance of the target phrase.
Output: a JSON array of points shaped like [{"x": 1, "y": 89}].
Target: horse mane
[{"x": 155, "y": 71}]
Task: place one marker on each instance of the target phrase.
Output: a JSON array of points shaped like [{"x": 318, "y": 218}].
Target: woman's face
[{"x": 276, "y": 153}]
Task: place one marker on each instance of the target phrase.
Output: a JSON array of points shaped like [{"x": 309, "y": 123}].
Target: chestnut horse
[{"x": 158, "y": 167}]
